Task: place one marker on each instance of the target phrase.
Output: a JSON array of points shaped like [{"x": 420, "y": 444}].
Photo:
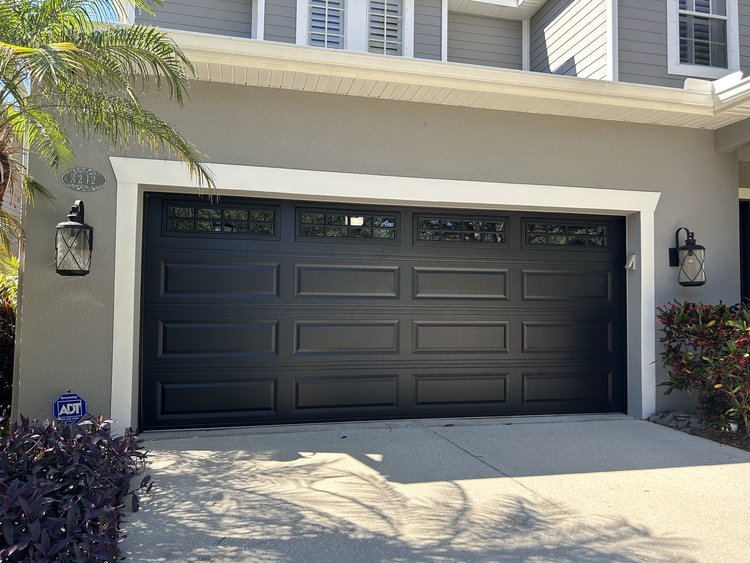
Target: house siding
[
  {"x": 281, "y": 21},
  {"x": 428, "y": 17},
  {"x": 569, "y": 37},
  {"x": 485, "y": 41},
  {"x": 743, "y": 10},
  {"x": 222, "y": 17},
  {"x": 643, "y": 42}
]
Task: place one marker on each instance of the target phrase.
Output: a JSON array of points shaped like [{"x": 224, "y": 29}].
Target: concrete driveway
[{"x": 573, "y": 488}]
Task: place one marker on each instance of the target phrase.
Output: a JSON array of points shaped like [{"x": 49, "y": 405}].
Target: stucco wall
[{"x": 66, "y": 328}]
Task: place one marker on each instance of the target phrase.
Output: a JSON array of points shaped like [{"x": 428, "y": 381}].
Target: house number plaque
[{"x": 84, "y": 179}]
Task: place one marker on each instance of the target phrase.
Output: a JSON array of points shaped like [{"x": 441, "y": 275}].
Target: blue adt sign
[{"x": 69, "y": 408}]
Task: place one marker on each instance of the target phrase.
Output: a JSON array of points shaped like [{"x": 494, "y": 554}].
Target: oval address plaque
[{"x": 84, "y": 179}]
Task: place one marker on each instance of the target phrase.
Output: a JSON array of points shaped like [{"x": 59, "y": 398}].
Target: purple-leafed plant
[{"x": 62, "y": 490}]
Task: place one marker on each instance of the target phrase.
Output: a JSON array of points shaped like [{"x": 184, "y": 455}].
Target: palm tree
[{"x": 63, "y": 67}]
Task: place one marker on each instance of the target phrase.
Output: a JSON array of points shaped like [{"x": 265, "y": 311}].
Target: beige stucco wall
[{"x": 65, "y": 333}]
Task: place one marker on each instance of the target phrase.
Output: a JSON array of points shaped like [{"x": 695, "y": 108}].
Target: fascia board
[{"x": 732, "y": 96}]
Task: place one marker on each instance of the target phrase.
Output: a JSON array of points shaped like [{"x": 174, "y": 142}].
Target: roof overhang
[
  {"x": 702, "y": 104},
  {"x": 510, "y": 9}
]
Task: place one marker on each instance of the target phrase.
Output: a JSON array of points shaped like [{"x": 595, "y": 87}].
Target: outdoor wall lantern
[
  {"x": 74, "y": 241},
  {"x": 690, "y": 257}
]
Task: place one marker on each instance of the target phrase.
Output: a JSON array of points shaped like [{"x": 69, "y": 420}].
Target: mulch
[{"x": 735, "y": 439}]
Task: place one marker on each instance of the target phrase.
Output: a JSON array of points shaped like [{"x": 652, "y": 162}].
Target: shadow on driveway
[{"x": 423, "y": 491}]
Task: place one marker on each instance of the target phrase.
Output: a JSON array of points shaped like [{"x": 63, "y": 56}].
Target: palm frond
[
  {"x": 122, "y": 121},
  {"x": 140, "y": 52}
]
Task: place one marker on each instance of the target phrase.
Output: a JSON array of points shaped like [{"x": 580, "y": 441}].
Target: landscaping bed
[{"x": 734, "y": 439}]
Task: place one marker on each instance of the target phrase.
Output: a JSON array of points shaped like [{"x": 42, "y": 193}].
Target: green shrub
[
  {"x": 707, "y": 351},
  {"x": 62, "y": 490}
]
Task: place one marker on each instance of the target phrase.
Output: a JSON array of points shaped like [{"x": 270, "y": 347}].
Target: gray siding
[
  {"x": 570, "y": 37},
  {"x": 485, "y": 41},
  {"x": 222, "y": 17},
  {"x": 427, "y": 29},
  {"x": 744, "y": 28},
  {"x": 281, "y": 21},
  {"x": 643, "y": 42},
  {"x": 642, "y": 30}
]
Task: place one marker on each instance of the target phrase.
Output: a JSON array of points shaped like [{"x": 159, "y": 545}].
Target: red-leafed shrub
[
  {"x": 62, "y": 490},
  {"x": 707, "y": 351}
]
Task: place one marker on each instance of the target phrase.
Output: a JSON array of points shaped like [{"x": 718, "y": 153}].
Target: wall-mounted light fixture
[
  {"x": 74, "y": 241},
  {"x": 690, "y": 257}
]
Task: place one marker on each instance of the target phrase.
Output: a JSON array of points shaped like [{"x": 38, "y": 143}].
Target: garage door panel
[
  {"x": 576, "y": 389},
  {"x": 450, "y": 337},
  {"x": 218, "y": 397},
  {"x": 567, "y": 337},
  {"x": 551, "y": 285},
  {"x": 460, "y": 283},
  {"x": 356, "y": 392},
  {"x": 246, "y": 279},
  {"x": 346, "y": 281},
  {"x": 460, "y": 389},
  {"x": 311, "y": 327},
  {"x": 219, "y": 338},
  {"x": 346, "y": 337}
]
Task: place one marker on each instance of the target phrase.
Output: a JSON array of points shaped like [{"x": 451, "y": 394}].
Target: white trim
[
  {"x": 526, "y": 44},
  {"x": 259, "y": 19},
  {"x": 303, "y": 15},
  {"x": 674, "y": 66},
  {"x": 357, "y": 31},
  {"x": 125, "y": 331},
  {"x": 744, "y": 193},
  {"x": 444, "y": 31},
  {"x": 407, "y": 30},
  {"x": 135, "y": 175},
  {"x": 613, "y": 48}
]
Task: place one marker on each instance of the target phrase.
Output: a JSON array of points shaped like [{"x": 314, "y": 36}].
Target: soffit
[
  {"x": 509, "y": 9},
  {"x": 310, "y": 69}
]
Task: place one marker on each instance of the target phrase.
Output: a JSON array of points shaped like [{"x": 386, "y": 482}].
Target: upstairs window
[
  {"x": 386, "y": 22},
  {"x": 326, "y": 28},
  {"x": 384, "y": 27},
  {"x": 703, "y": 33},
  {"x": 703, "y": 38}
]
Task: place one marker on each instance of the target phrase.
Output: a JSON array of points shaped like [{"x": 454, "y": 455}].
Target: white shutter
[
  {"x": 326, "y": 24},
  {"x": 386, "y": 22}
]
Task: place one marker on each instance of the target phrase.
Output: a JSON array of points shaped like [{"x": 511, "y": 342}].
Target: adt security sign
[{"x": 69, "y": 408}]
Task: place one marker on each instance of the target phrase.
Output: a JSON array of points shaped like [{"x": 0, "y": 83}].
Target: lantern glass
[
  {"x": 73, "y": 244},
  {"x": 692, "y": 265}
]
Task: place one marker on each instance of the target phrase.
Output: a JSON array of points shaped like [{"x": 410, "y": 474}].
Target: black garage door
[{"x": 272, "y": 311}]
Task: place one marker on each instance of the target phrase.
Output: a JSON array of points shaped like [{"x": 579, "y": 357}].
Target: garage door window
[
  {"x": 560, "y": 234},
  {"x": 460, "y": 229},
  {"x": 220, "y": 220},
  {"x": 342, "y": 225}
]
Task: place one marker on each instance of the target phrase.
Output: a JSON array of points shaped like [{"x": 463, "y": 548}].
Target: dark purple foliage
[
  {"x": 62, "y": 490},
  {"x": 7, "y": 344}
]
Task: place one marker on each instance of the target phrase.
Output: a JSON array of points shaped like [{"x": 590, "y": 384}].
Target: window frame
[
  {"x": 675, "y": 67},
  {"x": 357, "y": 27}
]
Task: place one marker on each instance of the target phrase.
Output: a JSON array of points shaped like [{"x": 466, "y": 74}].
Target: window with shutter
[
  {"x": 326, "y": 28},
  {"x": 386, "y": 22},
  {"x": 703, "y": 37},
  {"x": 703, "y": 32}
]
